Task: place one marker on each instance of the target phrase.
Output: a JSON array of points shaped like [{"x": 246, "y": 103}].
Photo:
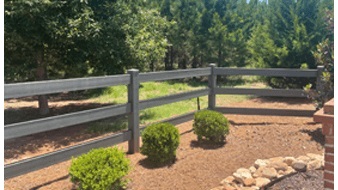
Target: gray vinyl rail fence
[{"x": 133, "y": 79}]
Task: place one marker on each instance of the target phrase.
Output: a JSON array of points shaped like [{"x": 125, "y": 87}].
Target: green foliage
[
  {"x": 288, "y": 34},
  {"x": 211, "y": 125},
  {"x": 324, "y": 56},
  {"x": 55, "y": 29},
  {"x": 102, "y": 168},
  {"x": 264, "y": 52},
  {"x": 81, "y": 38},
  {"x": 160, "y": 142},
  {"x": 146, "y": 39},
  {"x": 218, "y": 32}
]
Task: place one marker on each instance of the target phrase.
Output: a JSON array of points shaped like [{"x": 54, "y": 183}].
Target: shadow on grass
[
  {"x": 59, "y": 138},
  {"x": 316, "y": 135},
  {"x": 230, "y": 80},
  {"x": 287, "y": 100},
  {"x": 116, "y": 124},
  {"x": 14, "y": 115},
  {"x": 149, "y": 164},
  {"x": 113, "y": 124},
  {"x": 193, "y": 82},
  {"x": 46, "y": 141},
  {"x": 147, "y": 115},
  {"x": 203, "y": 81},
  {"x": 207, "y": 145},
  {"x": 64, "y": 96}
]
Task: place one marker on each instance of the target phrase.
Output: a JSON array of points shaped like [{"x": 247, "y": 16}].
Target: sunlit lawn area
[{"x": 149, "y": 90}]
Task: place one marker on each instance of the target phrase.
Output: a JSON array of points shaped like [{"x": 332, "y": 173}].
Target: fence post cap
[
  {"x": 212, "y": 65},
  {"x": 132, "y": 70},
  {"x": 320, "y": 66}
]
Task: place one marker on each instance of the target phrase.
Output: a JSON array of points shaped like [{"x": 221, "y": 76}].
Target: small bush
[
  {"x": 102, "y": 168},
  {"x": 211, "y": 125},
  {"x": 160, "y": 142}
]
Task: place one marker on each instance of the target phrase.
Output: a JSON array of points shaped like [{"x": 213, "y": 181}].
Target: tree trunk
[
  {"x": 41, "y": 74},
  {"x": 182, "y": 64},
  {"x": 172, "y": 56},
  {"x": 152, "y": 66},
  {"x": 166, "y": 59},
  {"x": 182, "y": 59},
  {"x": 194, "y": 62},
  {"x": 220, "y": 56},
  {"x": 185, "y": 61}
]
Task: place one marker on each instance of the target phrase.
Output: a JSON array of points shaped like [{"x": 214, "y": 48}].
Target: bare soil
[{"x": 199, "y": 165}]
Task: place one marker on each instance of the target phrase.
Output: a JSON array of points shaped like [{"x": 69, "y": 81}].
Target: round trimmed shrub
[
  {"x": 211, "y": 125},
  {"x": 160, "y": 142},
  {"x": 102, "y": 168}
]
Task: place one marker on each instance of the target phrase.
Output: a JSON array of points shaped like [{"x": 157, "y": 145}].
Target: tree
[
  {"x": 144, "y": 36},
  {"x": 218, "y": 32},
  {"x": 39, "y": 31},
  {"x": 293, "y": 26},
  {"x": 132, "y": 35},
  {"x": 263, "y": 50},
  {"x": 228, "y": 40},
  {"x": 63, "y": 39},
  {"x": 324, "y": 56},
  {"x": 185, "y": 37}
]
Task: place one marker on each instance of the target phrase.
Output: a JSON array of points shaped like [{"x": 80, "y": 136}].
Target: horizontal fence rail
[
  {"x": 54, "y": 86},
  {"x": 173, "y": 98},
  {"x": 35, "y": 163},
  {"x": 262, "y": 92},
  {"x": 267, "y": 72},
  {"x": 133, "y": 106},
  {"x": 265, "y": 111},
  {"x": 60, "y": 121},
  {"x": 178, "y": 74}
]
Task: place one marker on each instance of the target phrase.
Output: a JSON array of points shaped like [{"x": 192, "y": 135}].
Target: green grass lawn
[{"x": 149, "y": 90}]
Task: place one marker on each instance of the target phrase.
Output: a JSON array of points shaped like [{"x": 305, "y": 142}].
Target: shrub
[
  {"x": 211, "y": 125},
  {"x": 160, "y": 142},
  {"x": 102, "y": 168}
]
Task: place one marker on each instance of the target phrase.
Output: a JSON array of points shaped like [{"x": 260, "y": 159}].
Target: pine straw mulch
[{"x": 199, "y": 165}]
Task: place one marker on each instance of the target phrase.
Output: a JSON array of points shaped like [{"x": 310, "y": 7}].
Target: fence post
[
  {"x": 133, "y": 118},
  {"x": 212, "y": 86},
  {"x": 319, "y": 83}
]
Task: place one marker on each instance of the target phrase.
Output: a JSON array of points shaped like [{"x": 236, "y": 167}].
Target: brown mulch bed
[{"x": 199, "y": 165}]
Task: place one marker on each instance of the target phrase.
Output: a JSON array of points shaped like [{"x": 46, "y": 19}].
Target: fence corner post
[
  {"x": 133, "y": 118},
  {"x": 212, "y": 85},
  {"x": 319, "y": 82}
]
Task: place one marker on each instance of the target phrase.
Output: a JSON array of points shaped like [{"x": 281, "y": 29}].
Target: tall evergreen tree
[{"x": 37, "y": 33}]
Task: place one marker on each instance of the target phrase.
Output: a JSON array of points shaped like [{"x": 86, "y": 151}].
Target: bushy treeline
[
  {"x": 75, "y": 38},
  {"x": 237, "y": 33}
]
